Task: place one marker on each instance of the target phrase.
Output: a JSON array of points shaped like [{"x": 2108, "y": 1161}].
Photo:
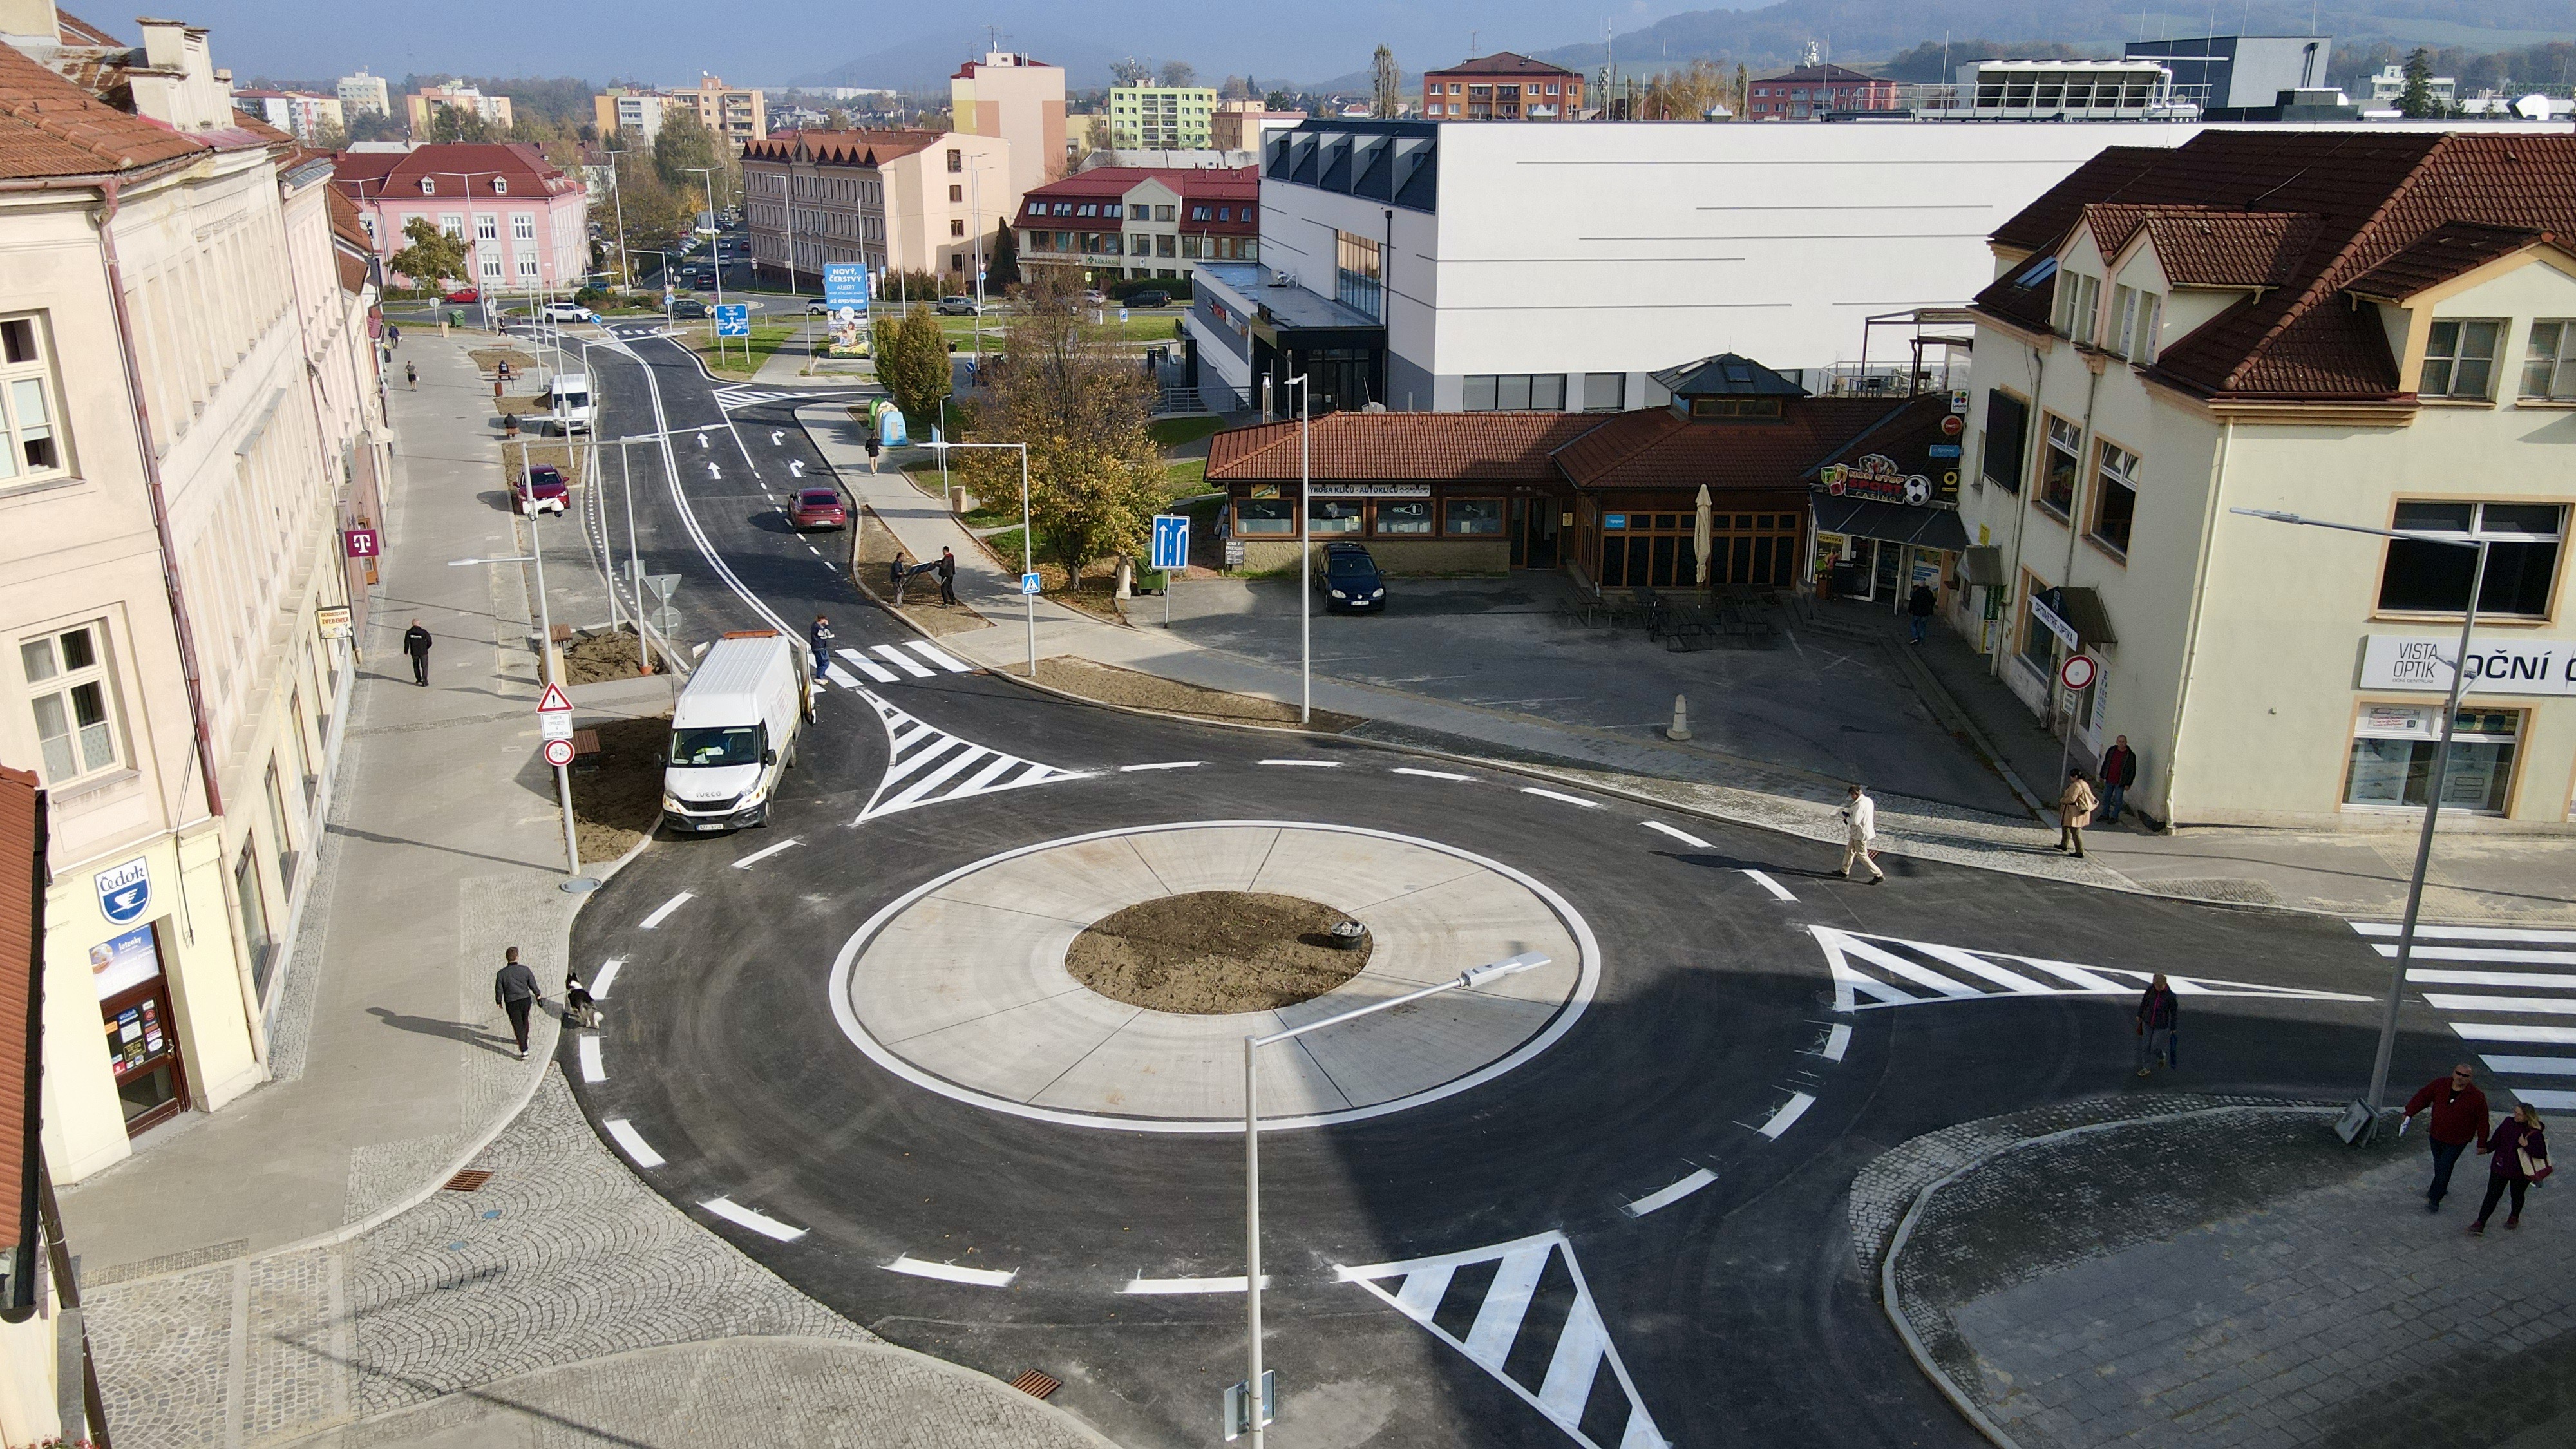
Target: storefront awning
[
  {"x": 2082, "y": 608},
  {"x": 1983, "y": 564},
  {"x": 1893, "y": 522}
]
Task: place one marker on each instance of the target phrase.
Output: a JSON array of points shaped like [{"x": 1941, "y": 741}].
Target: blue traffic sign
[
  {"x": 1944, "y": 450},
  {"x": 1028, "y": 583},
  {"x": 1171, "y": 541},
  {"x": 733, "y": 319},
  {"x": 845, "y": 284}
]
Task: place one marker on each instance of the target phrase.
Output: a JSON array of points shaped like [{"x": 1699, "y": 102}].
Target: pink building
[{"x": 525, "y": 223}]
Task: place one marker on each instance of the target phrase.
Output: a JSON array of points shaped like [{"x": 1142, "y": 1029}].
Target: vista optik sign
[{"x": 2423, "y": 662}]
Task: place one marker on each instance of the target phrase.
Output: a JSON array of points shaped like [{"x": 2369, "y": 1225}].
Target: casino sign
[{"x": 1876, "y": 475}]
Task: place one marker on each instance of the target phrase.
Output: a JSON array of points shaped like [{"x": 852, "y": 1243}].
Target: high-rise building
[
  {"x": 638, "y": 113},
  {"x": 364, "y": 95},
  {"x": 1161, "y": 118},
  {"x": 1019, "y": 99},
  {"x": 740, "y": 114}
]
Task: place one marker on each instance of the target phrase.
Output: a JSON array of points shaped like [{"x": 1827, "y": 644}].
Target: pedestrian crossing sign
[{"x": 1029, "y": 583}]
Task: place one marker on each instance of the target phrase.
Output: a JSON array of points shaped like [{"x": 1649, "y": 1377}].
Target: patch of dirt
[
  {"x": 567, "y": 460},
  {"x": 1210, "y": 953},
  {"x": 876, "y": 549},
  {"x": 489, "y": 359},
  {"x": 617, "y": 793},
  {"x": 1112, "y": 685},
  {"x": 607, "y": 654}
]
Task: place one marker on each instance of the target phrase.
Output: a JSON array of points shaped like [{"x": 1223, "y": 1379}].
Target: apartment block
[
  {"x": 1020, "y": 100},
  {"x": 1120, "y": 223},
  {"x": 364, "y": 95},
  {"x": 1502, "y": 87},
  {"x": 1161, "y": 118},
  {"x": 905, "y": 200},
  {"x": 421, "y": 106}
]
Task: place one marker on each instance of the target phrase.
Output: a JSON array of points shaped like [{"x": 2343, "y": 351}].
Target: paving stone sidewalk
[{"x": 2230, "y": 1276}]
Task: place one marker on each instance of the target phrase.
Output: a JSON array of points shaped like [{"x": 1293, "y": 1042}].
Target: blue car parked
[{"x": 1350, "y": 580}]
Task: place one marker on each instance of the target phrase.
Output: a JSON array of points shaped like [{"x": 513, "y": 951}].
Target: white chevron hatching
[
  {"x": 925, "y": 765},
  {"x": 1582, "y": 1344},
  {"x": 1912, "y": 973}
]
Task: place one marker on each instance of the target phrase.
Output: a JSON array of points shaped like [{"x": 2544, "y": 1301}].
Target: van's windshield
[
  {"x": 572, "y": 399},
  {"x": 719, "y": 745}
]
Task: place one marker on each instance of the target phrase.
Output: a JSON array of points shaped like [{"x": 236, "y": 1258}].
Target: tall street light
[
  {"x": 1028, "y": 541},
  {"x": 2433, "y": 792},
  {"x": 715, "y": 248},
  {"x": 1305, "y": 549},
  {"x": 1473, "y": 976}
]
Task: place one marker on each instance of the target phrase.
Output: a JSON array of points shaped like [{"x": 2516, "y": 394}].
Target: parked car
[
  {"x": 688, "y": 308},
  {"x": 1094, "y": 297},
  {"x": 818, "y": 508},
  {"x": 464, "y": 294},
  {"x": 1149, "y": 299},
  {"x": 1349, "y": 579},
  {"x": 569, "y": 312},
  {"x": 541, "y": 490},
  {"x": 957, "y": 307}
]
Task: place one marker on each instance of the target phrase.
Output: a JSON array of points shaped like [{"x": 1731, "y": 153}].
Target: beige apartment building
[
  {"x": 193, "y": 416},
  {"x": 420, "y": 106},
  {"x": 901, "y": 200},
  {"x": 2379, "y": 333},
  {"x": 739, "y": 115},
  {"x": 1020, "y": 100}
]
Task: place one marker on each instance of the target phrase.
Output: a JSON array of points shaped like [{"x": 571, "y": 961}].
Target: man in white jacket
[{"x": 1860, "y": 827}]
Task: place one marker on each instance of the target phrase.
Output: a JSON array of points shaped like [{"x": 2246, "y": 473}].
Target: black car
[
  {"x": 1149, "y": 299},
  {"x": 689, "y": 307},
  {"x": 1350, "y": 579}
]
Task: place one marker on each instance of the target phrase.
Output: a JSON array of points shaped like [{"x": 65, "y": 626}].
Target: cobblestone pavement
[
  {"x": 564, "y": 1276},
  {"x": 2238, "y": 1277}
]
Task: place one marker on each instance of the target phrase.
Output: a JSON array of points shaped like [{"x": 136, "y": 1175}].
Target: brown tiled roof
[
  {"x": 51, "y": 127},
  {"x": 1656, "y": 448},
  {"x": 1905, "y": 435},
  {"x": 2369, "y": 196},
  {"x": 468, "y": 168},
  {"x": 2207, "y": 246},
  {"x": 2445, "y": 252},
  {"x": 1502, "y": 62},
  {"x": 22, "y": 895},
  {"x": 841, "y": 148},
  {"x": 1402, "y": 448},
  {"x": 1829, "y": 74}
]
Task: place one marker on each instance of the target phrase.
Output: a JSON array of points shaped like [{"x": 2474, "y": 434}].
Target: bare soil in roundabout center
[{"x": 1212, "y": 953}]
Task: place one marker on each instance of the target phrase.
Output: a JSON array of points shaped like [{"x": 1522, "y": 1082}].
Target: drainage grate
[
  {"x": 469, "y": 1180},
  {"x": 1037, "y": 1385}
]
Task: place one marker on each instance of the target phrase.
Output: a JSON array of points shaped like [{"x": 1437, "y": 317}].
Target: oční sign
[{"x": 2417, "y": 661}]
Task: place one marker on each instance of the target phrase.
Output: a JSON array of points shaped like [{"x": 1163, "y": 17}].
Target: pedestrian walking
[
  {"x": 2119, "y": 771},
  {"x": 396, "y": 334},
  {"x": 411, "y": 375},
  {"x": 874, "y": 447},
  {"x": 821, "y": 637},
  {"x": 416, "y": 644},
  {"x": 947, "y": 576},
  {"x": 514, "y": 990},
  {"x": 1920, "y": 604},
  {"x": 896, "y": 573},
  {"x": 1860, "y": 827},
  {"x": 2521, "y": 1158},
  {"x": 2074, "y": 812},
  {"x": 2159, "y": 1017},
  {"x": 2459, "y": 1118}
]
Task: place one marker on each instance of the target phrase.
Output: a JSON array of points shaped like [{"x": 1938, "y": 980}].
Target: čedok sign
[{"x": 2415, "y": 661}]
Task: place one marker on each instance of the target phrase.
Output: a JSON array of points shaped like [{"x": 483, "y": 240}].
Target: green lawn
[
  {"x": 766, "y": 338},
  {"x": 1184, "y": 476},
  {"x": 1174, "y": 432}
]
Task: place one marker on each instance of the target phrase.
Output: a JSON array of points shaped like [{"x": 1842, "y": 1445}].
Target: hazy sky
[{"x": 667, "y": 42}]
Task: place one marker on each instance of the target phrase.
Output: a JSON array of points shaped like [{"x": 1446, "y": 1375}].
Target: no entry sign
[{"x": 2077, "y": 672}]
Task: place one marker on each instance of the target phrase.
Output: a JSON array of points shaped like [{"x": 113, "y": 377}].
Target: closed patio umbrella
[{"x": 1703, "y": 533}]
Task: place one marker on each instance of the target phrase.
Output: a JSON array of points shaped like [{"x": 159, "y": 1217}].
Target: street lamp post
[
  {"x": 715, "y": 248},
  {"x": 1305, "y": 549},
  {"x": 1028, "y": 540},
  {"x": 1473, "y": 976},
  {"x": 2433, "y": 792}
]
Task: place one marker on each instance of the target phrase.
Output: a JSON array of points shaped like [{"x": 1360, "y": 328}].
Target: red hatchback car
[
  {"x": 542, "y": 490},
  {"x": 818, "y": 508},
  {"x": 465, "y": 294}
]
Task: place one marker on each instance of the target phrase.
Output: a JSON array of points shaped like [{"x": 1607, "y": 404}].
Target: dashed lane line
[
  {"x": 632, "y": 1142},
  {"x": 757, "y": 856},
  {"x": 951, "y": 1273},
  {"x": 1173, "y": 1286},
  {"x": 1665, "y": 1197},
  {"x": 1559, "y": 795},
  {"x": 1837, "y": 1042},
  {"x": 1305, "y": 764},
  {"x": 1685, "y": 837},
  {"x": 1431, "y": 774},
  {"x": 1161, "y": 765},
  {"x": 663, "y": 911},
  {"x": 608, "y": 970},
  {"x": 1788, "y": 1115},
  {"x": 1778, "y": 891},
  {"x": 592, "y": 1070},
  {"x": 759, "y": 1222}
]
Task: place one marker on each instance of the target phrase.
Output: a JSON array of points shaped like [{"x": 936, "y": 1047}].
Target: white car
[{"x": 569, "y": 312}]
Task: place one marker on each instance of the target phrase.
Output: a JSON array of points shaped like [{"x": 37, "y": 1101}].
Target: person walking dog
[
  {"x": 514, "y": 990},
  {"x": 2159, "y": 1019},
  {"x": 2119, "y": 772},
  {"x": 1860, "y": 827},
  {"x": 2074, "y": 812},
  {"x": 2459, "y": 1118},
  {"x": 2521, "y": 1150},
  {"x": 416, "y": 644}
]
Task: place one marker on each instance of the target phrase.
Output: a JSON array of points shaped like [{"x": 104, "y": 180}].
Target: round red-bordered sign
[
  {"x": 558, "y": 753},
  {"x": 2077, "y": 672},
  {"x": 1950, "y": 426}
]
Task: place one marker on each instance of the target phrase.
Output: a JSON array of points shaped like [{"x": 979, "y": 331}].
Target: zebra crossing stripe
[
  {"x": 1503, "y": 1315},
  {"x": 843, "y": 677},
  {"x": 2393, "y": 929},
  {"x": 932, "y": 652},
  {"x": 902, "y": 661},
  {"x": 2481, "y": 960},
  {"x": 867, "y": 666},
  {"x": 914, "y": 747},
  {"x": 1892, "y": 971}
]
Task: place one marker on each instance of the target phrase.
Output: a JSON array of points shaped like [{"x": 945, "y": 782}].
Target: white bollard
[{"x": 1681, "y": 720}]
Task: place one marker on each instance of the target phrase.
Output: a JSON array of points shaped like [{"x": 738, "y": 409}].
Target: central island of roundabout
[{"x": 963, "y": 987}]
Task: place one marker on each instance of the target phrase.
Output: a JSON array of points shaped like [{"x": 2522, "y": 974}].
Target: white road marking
[
  {"x": 2533, "y": 1066},
  {"x": 2481, "y": 953},
  {"x": 1554, "y": 795},
  {"x": 1665, "y": 1197},
  {"x": 2393, "y": 929},
  {"x": 1778, "y": 891},
  {"x": 2490, "y": 978},
  {"x": 2538, "y": 1097},
  {"x": 1498, "y": 1318},
  {"x": 607, "y": 973},
  {"x": 931, "y": 652},
  {"x": 901, "y": 661},
  {"x": 1431, "y": 774},
  {"x": 951, "y": 1273},
  {"x": 757, "y": 856},
  {"x": 663, "y": 911},
  {"x": 1684, "y": 836},
  {"x": 1305, "y": 764},
  {"x": 1160, "y": 1286},
  {"x": 1788, "y": 1115},
  {"x": 809, "y": 548},
  {"x": 1164, "y": 765},
  {"x": 2527, "y": 1005},
  {"x": 1889, "y": 970},
  {"x": 759, "y": 1222},
  {"x": 592, "y": 1069},
  {"x": 867, "y": 666},
  {"x": 912, "y": 744},
  {"x": 637, "y": 1150},
  {"x": 1837, "y": 1042},
  {"x": 842, "y": 677},
  {"x": 2499, "y": 1031}
]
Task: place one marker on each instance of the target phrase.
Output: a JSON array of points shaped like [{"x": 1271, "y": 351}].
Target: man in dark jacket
[
  {"x": 2159, "y": 1014},
  {"x": 416, "y": 644},
  {"x": 2119, "y": 771},
  {"x": 514, "y": 990},
  {"x": 1921, "y": 604},
  {"x": 821, "y": 637},
  {"x": 2459, "y": 1118},
  {"x": 947, "y": 576}
]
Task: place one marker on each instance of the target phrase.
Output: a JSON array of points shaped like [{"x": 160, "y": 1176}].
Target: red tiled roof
[
  {"x": 840, "y": 148},
  {"x": 468, "y": 168},
  {"x": 1841, "y": 75},
  {"x": 2206, "y": 246},
  {"x": 1656, "y": 448},
  {"x": 1503, "y": 62},
  {"x": 2445, "y": 252},
  {"x": 51, "y": 127},
  {"x": 1402, "y": 448},
  {"x": 22, "y": 895}
]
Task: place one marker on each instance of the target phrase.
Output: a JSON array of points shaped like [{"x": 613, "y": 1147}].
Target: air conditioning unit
[{"x": 1282, "y": 279}]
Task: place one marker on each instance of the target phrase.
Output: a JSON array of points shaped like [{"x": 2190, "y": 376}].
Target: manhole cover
[
  {"x": 470, "y": 1180},
  {"x": 1037, "y": 1385}
]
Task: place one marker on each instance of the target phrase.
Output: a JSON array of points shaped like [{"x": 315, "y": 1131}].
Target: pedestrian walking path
[{"x": 2510, "y": 993}]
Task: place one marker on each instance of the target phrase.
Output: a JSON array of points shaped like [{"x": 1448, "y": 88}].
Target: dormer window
[
  {"x": 1735, "y": 407},
  {"x": 500, "y": 186},
  {"x": 429, "y": 186},
  {"x": 2079, "y": 298},
  {"x": 2135, "y": 315}
]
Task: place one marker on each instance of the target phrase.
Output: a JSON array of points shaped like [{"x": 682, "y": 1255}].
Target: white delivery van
[
  {"x": 572, "y": 403},
  {"x": 734, "y": 732}
]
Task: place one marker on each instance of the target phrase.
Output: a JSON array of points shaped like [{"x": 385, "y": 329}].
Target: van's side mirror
[
  {"x": 659, "y": 760},
  {"x": 769, "y": 757}
]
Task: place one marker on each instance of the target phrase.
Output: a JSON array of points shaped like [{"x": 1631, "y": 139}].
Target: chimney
[
  {"x": 165, "y": 44},
  {"x": 31, "y": 19}
]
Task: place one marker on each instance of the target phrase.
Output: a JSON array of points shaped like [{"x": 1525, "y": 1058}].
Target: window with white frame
[
  {"x": 67, "y": 682},
  {"x": 429, "y": 186},
  {"x": 527, "y": 266},
  {"x": 2059, "y": 466},
  {"x": 28, "y": 415},
  {"x": 452, "y": 223},
  {"x": 487, "y": 227},
  {"x": 523, "y": 226},
  {"x": 2460, "y": 358},
  {"x": 2079, "y": 297},
  {"x": 2549, "y": 361},
  {"x": 2135, "y": 315},
  {"x": 500, "y": 186},
  {"x": 491, "y": 267},
  {"x": 2115, "y": 498}
]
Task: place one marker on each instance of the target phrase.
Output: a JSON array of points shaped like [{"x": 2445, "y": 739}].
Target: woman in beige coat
[{"x": 2074, "y": 812}]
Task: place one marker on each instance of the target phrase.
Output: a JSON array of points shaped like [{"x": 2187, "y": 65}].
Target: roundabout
[{"x": 961, "y": 985}]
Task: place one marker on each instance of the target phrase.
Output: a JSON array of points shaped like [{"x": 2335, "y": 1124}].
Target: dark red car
[
  {"x": 465, "y": 294},
  {"x": 818, "y": 508},
  {"x": 542, "y": 490}
]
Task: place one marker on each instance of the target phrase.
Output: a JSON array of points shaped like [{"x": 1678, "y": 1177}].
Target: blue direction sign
[
  {"x": 1171, "y": 541},
  {"x": 845, "y": 284},
  {"x": 1028, "y": 583},
  {"x": 1944, "y": 450},
  {"x": 733, "y": 319}
]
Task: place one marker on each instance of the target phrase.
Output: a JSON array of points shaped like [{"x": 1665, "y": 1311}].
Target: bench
[{"x": 585, "y": 750}]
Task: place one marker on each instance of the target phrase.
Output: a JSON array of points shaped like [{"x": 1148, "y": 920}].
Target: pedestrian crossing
[
  {"x": 735, "y": 399},
  {"x": 1522, "y": 1312},
  {"x": 892, "y": 664},
  {"x": 2522, "y": 987},
  {"x": 926, "y": 765},
  {"x": 1892, "y": 971}
]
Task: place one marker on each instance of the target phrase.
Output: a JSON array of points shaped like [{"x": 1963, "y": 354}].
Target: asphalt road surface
[{"x": 1636, "y": 1236}]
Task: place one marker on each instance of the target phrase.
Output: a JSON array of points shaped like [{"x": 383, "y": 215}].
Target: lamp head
[{"x": 1496, "y": 970}]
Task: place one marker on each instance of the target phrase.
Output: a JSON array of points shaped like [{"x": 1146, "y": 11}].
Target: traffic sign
[
  {"x": 1028, "y": 583},
  {"x": 733, "y": 319},
  {"x": 554, "y": 714},
  {"x": 2077, "y": 672},
  {"x": 1171, "y": 541},
  {"x": 559, "y": 753}
]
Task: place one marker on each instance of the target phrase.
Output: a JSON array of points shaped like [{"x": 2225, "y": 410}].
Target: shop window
[
  {"x": 2007, "y": 432},
  {"x": 2459, "y": 360},
  {"x": 2392, "y": 757},
  {"x": 2057, "y": 468},
  {"x": 254, "y": 916},
  {"x": 2115, "y": 498},
  {"x": 1469, "y": 517},
  {"x": 1605, "y": 392},
  {"x": 30, "y": 444},
  {"x": 142, "y": 1051},
  {"x": 75, "y": 725},
  {"x": 1271, "y": 516},
  {"x": 1402, "y": 516},
  {"x": 2038, "y": 646},
  {"x": 2548, "y": 368},
  {"x": 283, "y": 841},
  {"x": 2523, "y": 541},
  {"x": 1332, "y": 516}
]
